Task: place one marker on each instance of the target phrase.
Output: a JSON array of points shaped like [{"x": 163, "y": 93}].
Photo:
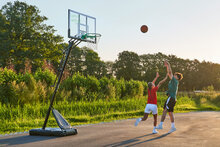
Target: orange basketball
[{"x": 144, "y": 28}]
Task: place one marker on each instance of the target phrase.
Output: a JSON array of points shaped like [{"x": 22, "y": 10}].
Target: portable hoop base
[
  {"x": 53, "y": 132},
  {"x": 82, "y": 34},
  {"x": 65, "y": 128}
]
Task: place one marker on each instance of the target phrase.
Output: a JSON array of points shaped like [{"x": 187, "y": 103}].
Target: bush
[
  {"x": 92, "y": 84},
  {"x": 120, "y": 89},
  {"x": 7, "y": 76},
  {"x": 8, "y": 94},
  {"x": 107, "y": 89},
  {"x": 145, "y": 86},
  {"x": 29, "y": 89},
  {"x": 76, "y": 86},
  {"x": 46, "y": 76},
  {"x": 134, "y": 88}
]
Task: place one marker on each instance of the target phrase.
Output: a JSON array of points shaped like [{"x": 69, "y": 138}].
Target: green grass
[{"x": 26, "y": 117}]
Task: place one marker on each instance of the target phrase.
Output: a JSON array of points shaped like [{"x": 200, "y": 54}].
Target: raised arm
[
  {"x": 162, "y": 81},
  {"x": 169, "y": 70},
  {"x": 157, "y": 75}
]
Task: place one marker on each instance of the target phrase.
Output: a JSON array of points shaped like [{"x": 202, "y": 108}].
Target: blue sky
[{"x": 189, "y": 29}]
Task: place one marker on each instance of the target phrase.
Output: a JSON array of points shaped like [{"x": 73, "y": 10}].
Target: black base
[{"x": 53, "y": 132}]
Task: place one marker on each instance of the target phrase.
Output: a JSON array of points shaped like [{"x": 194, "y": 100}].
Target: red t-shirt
[{"x": 152, "y": 95}]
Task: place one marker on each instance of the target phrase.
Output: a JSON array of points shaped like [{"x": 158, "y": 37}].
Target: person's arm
[
  {"x": 169, "y": 70},
  {"x": 157, "y": 75},
  {"x": 162, "y": 81}
]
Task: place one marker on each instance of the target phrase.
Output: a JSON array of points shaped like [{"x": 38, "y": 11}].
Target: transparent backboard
[{"x": 80, "y": 25}]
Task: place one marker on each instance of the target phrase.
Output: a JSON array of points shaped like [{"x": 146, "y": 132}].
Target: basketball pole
[{"x": 72, "y": 44}]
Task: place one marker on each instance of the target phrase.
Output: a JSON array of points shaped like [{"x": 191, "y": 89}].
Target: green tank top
[{"x": 173, "y": 87}]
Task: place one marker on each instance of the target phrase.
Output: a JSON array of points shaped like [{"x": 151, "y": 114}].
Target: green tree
[
  {"x": 26, "y": 36},
  {"x": 127, "y": 66},
  {"x": 109, "y": 68},
  {"x": 75, "y": 61},
  {"x": 92, "y": 64}
]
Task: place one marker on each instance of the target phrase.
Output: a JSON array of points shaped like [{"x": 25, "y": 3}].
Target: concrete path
[{"x": 195, "y": 129}]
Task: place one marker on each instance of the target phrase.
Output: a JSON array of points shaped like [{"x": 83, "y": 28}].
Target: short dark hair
[{"x": 179, "y": 75}]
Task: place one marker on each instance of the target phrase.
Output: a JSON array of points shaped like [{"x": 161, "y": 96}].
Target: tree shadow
[
  {"x": 135, "y": 141},
  {"x": 19, "y": 140}
]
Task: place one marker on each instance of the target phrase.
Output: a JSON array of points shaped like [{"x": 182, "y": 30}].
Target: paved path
[{"x": 198, "y": 129}]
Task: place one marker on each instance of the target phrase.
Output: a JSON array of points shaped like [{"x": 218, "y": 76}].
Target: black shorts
[{"x": 169, "y": 104}]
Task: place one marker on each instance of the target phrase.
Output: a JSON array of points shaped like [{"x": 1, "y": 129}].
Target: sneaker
[
  {"x": 137, "y": 121},
  {"x": 172, "y": 130},
  {"x": 159, "y": 127},
  {"x": 155, "y": 131}
]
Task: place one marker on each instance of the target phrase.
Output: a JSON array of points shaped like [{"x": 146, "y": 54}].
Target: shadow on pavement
[
  {"x": 19, "y": 140},
  {"x": 135, "y": 141}
]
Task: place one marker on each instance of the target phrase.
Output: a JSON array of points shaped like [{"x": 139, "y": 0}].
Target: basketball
[{"x": 144, "y": 28}]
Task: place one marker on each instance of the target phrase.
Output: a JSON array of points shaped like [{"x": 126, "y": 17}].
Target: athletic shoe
[
  {"x": 154, "y": 131},
  {"x": 137, "y": 121},
  {"x": 159, "y": 127},
  {"x": 172, "y": 130}
]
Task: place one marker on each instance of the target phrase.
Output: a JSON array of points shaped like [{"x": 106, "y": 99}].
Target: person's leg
[
  {"x": 171, "y": 106},
  {"x": 155, "y": 120},
  {"x": 145, "y": 117},
  {"x": 141, "y": 119},
  {"x": 155, "y": 123},
  {"x": 163, "y": 117},
  {"x": 173, "y": 128},
  {"x": 160, "y": 126},
  {"x": 171, "y": 117}
]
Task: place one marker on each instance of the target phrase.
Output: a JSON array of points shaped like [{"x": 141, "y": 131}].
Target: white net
[{"x": 95, "y": 37}]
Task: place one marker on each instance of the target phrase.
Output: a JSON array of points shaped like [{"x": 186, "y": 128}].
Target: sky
[{"x": 189, "y": 29}]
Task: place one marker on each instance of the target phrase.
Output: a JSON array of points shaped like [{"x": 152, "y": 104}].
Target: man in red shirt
[{"x": 152, "y": 102}]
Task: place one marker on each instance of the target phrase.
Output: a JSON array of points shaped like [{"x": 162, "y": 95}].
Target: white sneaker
[
  {"x": 137, "y": 121},
  {"x": 172, "y": 130},
  {"x": 155, "y": 131},
  {"x": 159, "y": 127}
]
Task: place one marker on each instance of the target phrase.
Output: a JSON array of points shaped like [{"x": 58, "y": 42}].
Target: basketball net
[{"x": 95, "y": 37}]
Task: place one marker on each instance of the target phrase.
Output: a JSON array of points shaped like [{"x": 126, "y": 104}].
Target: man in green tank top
[{"x": 171, "y": 93}]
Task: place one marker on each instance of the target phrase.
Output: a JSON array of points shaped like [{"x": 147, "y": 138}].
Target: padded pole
[{"x": 72, "y": 44}]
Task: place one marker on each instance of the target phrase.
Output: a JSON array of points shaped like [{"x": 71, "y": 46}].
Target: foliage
[
  {"x": 127, "y": 66},
  {"x": 25, "y": 36},
  {"x": 46, "y": 76}
]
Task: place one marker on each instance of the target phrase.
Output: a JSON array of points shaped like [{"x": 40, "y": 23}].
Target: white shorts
[{"x": 151, "y": 107}]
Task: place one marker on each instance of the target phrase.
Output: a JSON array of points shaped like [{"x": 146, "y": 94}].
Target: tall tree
[
  {"x": 26, "y": 36},
  {"x": 5, "y": 44},
  {"x": 127, "y": 66},
  {"x": 109, "y": 68},
  {"x": 75, "y": 62},
  {"x": 92, "y": 64}
]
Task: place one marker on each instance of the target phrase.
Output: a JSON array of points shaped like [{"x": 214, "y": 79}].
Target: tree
[
  {"x": 127, "y": 66},
  {"x": 5, "y": 44},
  {"x": 75, "y": 61},
  {"x": 109, "y": 68},
  {"x": 26, "y": 36},
  {"x": 92, "y": 64}
]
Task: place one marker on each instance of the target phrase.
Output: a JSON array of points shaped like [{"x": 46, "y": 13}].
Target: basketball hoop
[{"x": 92, "y": 40}]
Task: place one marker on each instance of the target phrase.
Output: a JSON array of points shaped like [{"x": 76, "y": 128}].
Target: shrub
[
  {"x": 120, "y": 89},
  {"x": 92, "y": 84},
  {"x": 46, "y": 76},
  {"x": 8, "y": 75},
  {"x": 134, "y": 88}
]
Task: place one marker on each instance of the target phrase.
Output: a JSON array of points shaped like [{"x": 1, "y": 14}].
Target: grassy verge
[{"x": 23, "y": 118}]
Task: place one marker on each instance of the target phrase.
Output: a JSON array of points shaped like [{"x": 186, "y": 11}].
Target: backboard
[{"x": 80, "y": 25}]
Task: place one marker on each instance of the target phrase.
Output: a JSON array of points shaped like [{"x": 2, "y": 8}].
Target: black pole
[{"x": 71, "y": 43}]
